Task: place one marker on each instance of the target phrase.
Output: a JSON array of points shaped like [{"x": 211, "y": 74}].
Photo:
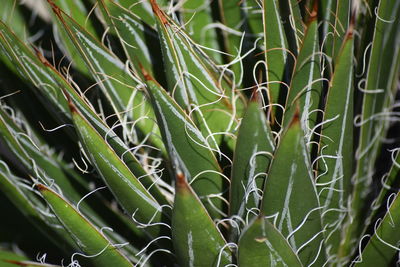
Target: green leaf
[
  {"x": 27, "y": 202},
  {"x": 389, "y": 181},
  {"x": 373, "y": 101},
  {"x": 139, "y": 40},
  {"x": 231, "y": 17},
  {"x": 384, "y": 243},
  {"x": 276, "y": 46},
  {"x": 295, "y": 28},
  {"x": 113, "y": 78},
  {"x": 196, "y": 16},
  {"x": 78, "y": 10},
  {"x": 335, "y": 17},
  {"x": 120, "y": 148},
  {"x": 11, "y": 259},
  {"x": 129, "y": 192},
  {"x": 336, "y": 156},
  {"x": 37, "y": 160},
  {"x": 105, "y": 68},
  {"x": 373, "y": 122},
  {"x": 43, "y": 165},
  {"x": 195, "y": 83},
  {"x": 30, "y": 68},
  {"x": 342, "y": 20},
  {"x": 89, "y": 239},
  {"x": 262, "y": 244},
  {"x": 290, "y": 195},
  {"x": 306, "y": 83},
  {"x": 50, "y": 84},
  {"x": 11, "y": 13},
  {"x": 253, "y": 152},
  {"x": 327, "y": 11},
  {"x": 188, "y": 149},
  {"x": 251, "y": 10},
  {"x": 197, "y": 241},
  {"x": 140, "y": 8}
]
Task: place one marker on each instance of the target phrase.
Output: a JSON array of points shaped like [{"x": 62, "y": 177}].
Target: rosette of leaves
[{"x": 199, "y": 133}]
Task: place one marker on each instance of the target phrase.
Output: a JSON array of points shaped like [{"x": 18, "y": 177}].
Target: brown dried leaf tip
[
  {"x": 314, "y": 12},
  {"x": 158, "y": 12},
  {"x": 41, "y": 187},
  {"x": 55, "y": 8},
  {"x": 71, "y": 105},
  {"x": 146, "y": 75},
  {"x": 41, "y": 58},
  {"x": 350, "y": 30},
  {"x": 296, "y": 117},
  {"x": 254, "y": 94},
  {"x": 181, "y": 182}
]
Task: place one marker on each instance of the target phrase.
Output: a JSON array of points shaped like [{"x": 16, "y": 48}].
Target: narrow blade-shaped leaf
[
  {"x": 194, "y": 81},
  {"x": 197, "y": 17},
  {"x": 120, "y": 148},
  {"x": 140, "y": 8},
  {"x": 90, "y": 240},
  {"x": 383, "y": 245},
  {"x": 336, "y": 157},
  {"x": 78, "y": 9},
  {"x": 130, "y": 193},
  {"x": 113, "y": 77},
  {"x": 373, "y": 101},
  {"x": 389, "y": 181},
  {"x": 28, "y": 203},
  {"x": 342, "y": 21},
  {"x": 30, "y": 68},
  {"x": 306, "y": 83},
  {"x": 291, "y": 196},
  {"x": 11, "y": 259},
  {"x": 276, "y": 49},
  {"x": 188, "y": 149},
  {"x": 231, "y": 17},
  {"x": 197, "y": 240},
  {"x": 253, "y": 152},
  {"x": 294, "y": 25},
  {"x": 378, "y": 89},
  {"x": 139, "y": 39},
  {"x": 11, "y": 13},
  {"x": 262, "y": 244}
]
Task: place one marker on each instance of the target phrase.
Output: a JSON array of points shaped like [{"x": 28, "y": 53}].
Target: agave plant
[{"x": 199, "y": 133}]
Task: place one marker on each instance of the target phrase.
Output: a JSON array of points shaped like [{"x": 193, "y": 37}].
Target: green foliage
[{"x": 199, "y": 133}]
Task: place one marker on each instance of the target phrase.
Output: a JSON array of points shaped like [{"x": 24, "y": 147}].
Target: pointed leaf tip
[
  {"x": 55, "y": 8},
  {"x": 180, "y": 178},
  {"x": 314, "y": 12},
  {"x": 350, "y": 29},
  {"x": 41, "y": 58},
  {"x": 145, "y": 74},
  {"x": 296, "y": 117},
  {"x": 181, "y": 183},
  {"x": 254, "y": 95},
  {"x": 41, "y": 187},
  {"x": 71, "y": 105},
  {"x": 158, "y": 12}
]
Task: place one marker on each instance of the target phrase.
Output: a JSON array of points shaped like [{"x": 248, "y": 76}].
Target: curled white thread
[{"x": 87, "y": 195}]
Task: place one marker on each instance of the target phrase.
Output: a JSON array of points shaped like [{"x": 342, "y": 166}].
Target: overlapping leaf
[{"x": 291, "y": 197}]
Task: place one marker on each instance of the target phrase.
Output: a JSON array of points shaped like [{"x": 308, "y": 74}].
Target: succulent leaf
[
  {"x": 261, "y": 242},
  {"x": 202, "y": 132},
  {"x": 297, "y": 211},
  {"x": 196, "y": 239},
  {"x": 253, "y": 153}
]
